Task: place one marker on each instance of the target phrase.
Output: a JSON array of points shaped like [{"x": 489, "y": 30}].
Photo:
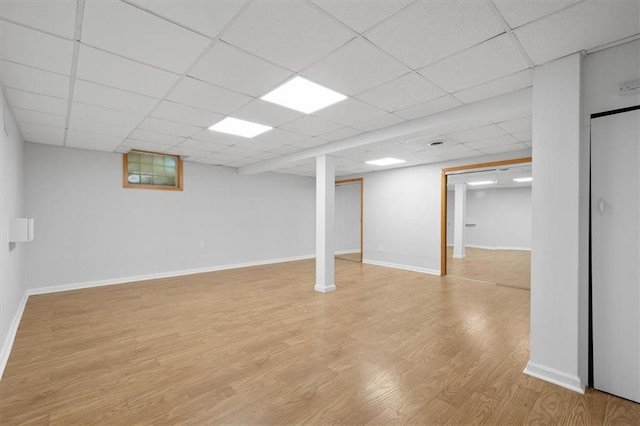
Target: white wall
[
  {"x": 566, "y": 93},
  {"x": 12, "y": 255},
  {"x": 347, "y": 225},
  {"x": 555, "y": 228},
  {"x": 502, "y": 218},
  {"x": 602, "y": 72},
  {"x": 402, "y": 214},
  {"x": 89, "y": 228}
]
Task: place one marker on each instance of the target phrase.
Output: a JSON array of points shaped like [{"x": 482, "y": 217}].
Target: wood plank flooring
[
  {"x": 505, "y": 267},
  {"x": 259, "y": 346}
]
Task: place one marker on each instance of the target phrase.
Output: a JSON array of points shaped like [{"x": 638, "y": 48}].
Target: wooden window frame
[{"x": 125, "y": 173}]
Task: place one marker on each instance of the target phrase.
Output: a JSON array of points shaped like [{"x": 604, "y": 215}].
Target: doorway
[
  {"x": 349, "y": 204},
  {"x": 486, "y": 222}
]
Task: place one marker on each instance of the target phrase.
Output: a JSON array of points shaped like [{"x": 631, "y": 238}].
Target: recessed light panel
[
  {"x": 385, "y": 161},
  {"x": 303, "y": 95},
  {"x": 482, "y": 182},
  {"x": 234, "y": 126},
  {"x": 523, "y": 179}
]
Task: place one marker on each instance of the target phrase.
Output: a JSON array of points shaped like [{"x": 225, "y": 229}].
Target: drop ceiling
[{"x": 154, "y": 75}]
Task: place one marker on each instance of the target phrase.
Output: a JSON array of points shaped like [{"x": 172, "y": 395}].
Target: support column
[
  {"x": 325, "y": 223},
  {"x": 459, "y": 220}
]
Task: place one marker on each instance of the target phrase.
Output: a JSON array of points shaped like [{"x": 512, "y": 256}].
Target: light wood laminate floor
[
  {"x": 505, "y": 267},
  {"x": 259, "y": 346}
]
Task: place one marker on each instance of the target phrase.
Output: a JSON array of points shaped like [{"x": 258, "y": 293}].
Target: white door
[{"x": 615, "y": 232}]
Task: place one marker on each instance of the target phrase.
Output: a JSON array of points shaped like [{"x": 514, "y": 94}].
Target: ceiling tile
[
  {"x": 206, "y": 17},
  {"x": 93, "y": 127},
  {"x": 345, "y": 132},
  {"x": 105, "y": 115},
  {"x": 99, "y": 95},
  {"x": 239, "y": 152},
  {"x": 480, "y": 133},
  {"x": 42, "y": 103},
  {"x": 311, "y": 126},
  {"x": 581, "y": 27},
  {"x": 523, "y": 136},
  {"x": 492, "y": 142},
  {"x": 186, "y": 152},
  {"x": 259, "y": 145},
  {"x": 229, "y": 67},
  {"x": 50, "y": 138},
  {"x": 124, "y": 29},
  {"x": 291, "y": 34},
  {"x": 504, "y": 148},
  {"x": 361, "y": 15},
  {"x": 41, "y": 118},
  {"x": 30, "y": 47},
  {"x": 285, "y": 149},
  {"x": 117, "y": 72},
  {"x": 354, "y": 68},
  {"x": 490, "y": 60},
  {"x": 281, "y": 137},
  {"x": 518, "y": 12},
  {"x": 57, "y": 17},
  {"x": 202, "y": 146},
  {"x": 34, "y": 80},
  {"x": 129, "y": 144},
  {"x": 350, "y": 111},
  {"x": 427, "y": 108},
  {"x": 168, "y": 127},
  {"x": 55, "y": 133},
  {"x": 178, "y": 113},
  {"x": 403, "y": 92},
  {"x": 427, "y": 31},
  {"x": 510, "y": 83},
  {"x": 207, "y": 135},
  {"x": 202, "y": 95},
  {"x": 310, "y": 143},
  {"x": 85, "y": 140},
  {"x": 385, "y": 120},
  {"x": 516, "y": 126},
  {"x": 147, "y": 136},
  {"x": 263, "y": 112}
]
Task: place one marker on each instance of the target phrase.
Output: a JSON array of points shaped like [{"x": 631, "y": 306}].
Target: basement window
[{"x": 151, "y": 170}]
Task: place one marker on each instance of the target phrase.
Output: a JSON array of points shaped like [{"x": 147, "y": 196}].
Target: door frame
[
  {"x": 361, "y": 182},
  {"x": 443, "y": 199}
]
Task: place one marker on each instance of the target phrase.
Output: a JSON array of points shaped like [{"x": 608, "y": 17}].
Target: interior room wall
[
  {"x": 555, "y": 240},
  {"x": 12, "y": 255},
  {"x": 402, "y": 214},
  {"x": 509, "y": 207},
  {"x": 347, "y": 218},
  {"x": 91, "y": 229},
  {"x": 602, "y": 73}
]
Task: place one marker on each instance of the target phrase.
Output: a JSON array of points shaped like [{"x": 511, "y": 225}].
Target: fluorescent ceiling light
[
  {"x": 385, "y": 161},
  {"x": 303, "y": 95},
  {"x": 233, "y": 126},
  {"x": 482, "y": 182},
  {"x": 524, "y": 179}
]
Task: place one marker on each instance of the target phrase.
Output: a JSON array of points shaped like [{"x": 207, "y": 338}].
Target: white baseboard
[
  {"x": 347, "y": 251},
  {"x": 497, "y": 248},
  {"x": 171, "y": 274},
  {"x": 399, "y": 266},
  {"x": 557, "y": 377},
  {"x": 11, "y": 335}
]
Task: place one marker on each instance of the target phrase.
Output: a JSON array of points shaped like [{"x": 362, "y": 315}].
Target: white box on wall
[{"x": 21, "y": 230}]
